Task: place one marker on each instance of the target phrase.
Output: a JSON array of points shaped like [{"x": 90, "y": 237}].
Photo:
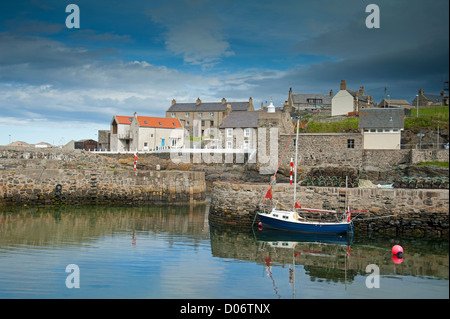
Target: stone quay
[
  {"x": 42, "y": 186},
  {"x": 418, "y": 211}
]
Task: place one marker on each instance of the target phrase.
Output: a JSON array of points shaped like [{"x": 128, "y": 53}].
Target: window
[
  {"x": 145, "y": 144},
  {"x": 229, "y": 132},
  {"x": 173, "y": 114},
  {"x": 350, "y": 143},
  {"x": 387, "y": 131},
  {"x": 246, "y": 145},
  {"x": 372, "y": 130},
  {"x": 200, "y": 114},
  {"x": 229, "y": 145},
  {"x": 158, "y": 122},
  {"x": 380, "y": 130},
  {"x": 203, "y": 122},
  {"x": 187, "y": 123},
  {"x": 186, "y": 114},
  {"x": 211, "y": 114},
  {"x": 174, "y": 142},
  {"x": 247, "y": 132}
]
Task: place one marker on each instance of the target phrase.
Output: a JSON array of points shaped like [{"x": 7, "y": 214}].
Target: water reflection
[{"x": 174, "y": 252}]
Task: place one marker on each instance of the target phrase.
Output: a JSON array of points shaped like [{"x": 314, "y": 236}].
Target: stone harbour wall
[
  {"x": 42, "y": 186},
  {"x": 418, "y": 211}
]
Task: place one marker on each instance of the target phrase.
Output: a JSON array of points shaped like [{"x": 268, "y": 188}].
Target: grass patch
[
  {"x": 435, "y": 163},
  {"x": 345, "y": 126}
]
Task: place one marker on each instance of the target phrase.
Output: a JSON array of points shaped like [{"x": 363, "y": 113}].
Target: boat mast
[{"x": 295, "y": 166}]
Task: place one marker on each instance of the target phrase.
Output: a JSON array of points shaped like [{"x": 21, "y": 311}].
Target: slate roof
[
  {"x": 381, "y": 118},
  {"x": 362, "y": 98},
  {"x": 303, "y": 98},
  {"x": 208, "y": 107},
  {"x": 433, "y": 98},
  {"x": 241, "y": 119}
]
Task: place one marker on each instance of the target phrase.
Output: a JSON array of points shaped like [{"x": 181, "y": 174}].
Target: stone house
[
  {"x": 196, "y": 118},
  {"x": 381, "y": 128},
  {"x": 309, "y": 101},
  {"x": 394, "y": 103},
  {"x": 346, "y": 101},
  {"x": 239, "y": 129},
  {"x": 430, "y": 99}
]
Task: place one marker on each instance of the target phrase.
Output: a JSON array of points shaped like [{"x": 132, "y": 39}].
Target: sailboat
[{"x": 296, "y": 220}]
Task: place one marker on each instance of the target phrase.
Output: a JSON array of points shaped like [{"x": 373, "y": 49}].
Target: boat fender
[{"x": 260, "y": 226}]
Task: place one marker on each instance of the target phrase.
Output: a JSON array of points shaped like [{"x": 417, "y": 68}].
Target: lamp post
[{"x": 417, "y": 103}]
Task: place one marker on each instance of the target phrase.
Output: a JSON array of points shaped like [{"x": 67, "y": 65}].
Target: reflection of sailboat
[
  {"x": 306, "y": 245},
  {"x": 295, "y": 220}
]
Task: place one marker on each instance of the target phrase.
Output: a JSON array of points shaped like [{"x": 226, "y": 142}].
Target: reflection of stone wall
[
  {"x": 332, "y": 262},
  {"x": 90, "y": 186},
  {"x": 418, "y": 210},
  {"x": 73, "y": 225}
]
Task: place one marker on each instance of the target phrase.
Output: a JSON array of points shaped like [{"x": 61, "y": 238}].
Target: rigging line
[{"x": 279, "y": 163}]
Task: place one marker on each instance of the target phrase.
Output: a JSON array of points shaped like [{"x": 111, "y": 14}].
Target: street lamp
[{"x": 417, "y": 103}]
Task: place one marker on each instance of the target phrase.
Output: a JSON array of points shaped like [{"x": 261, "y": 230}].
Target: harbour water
[{"x": 174, "y": 253}]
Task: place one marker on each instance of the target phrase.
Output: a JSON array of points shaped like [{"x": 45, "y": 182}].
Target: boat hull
[{"x": 303, "y": 227}]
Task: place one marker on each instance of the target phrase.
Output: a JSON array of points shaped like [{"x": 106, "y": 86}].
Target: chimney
[
  {"x": 250, "y": 102},
  {"x": 420, "y": 91},
  {"x": 228, "y": 110},
  {"x": 443, "y": 93},
  {"x": 174, "y": 102},
  {"x": 331, "y": 92},
  {"x": 343, "y": 85},
  {"x": 198, "y": 101},
  {"x": 361, "y": 90},
  {"x": 224, "y": 101}
]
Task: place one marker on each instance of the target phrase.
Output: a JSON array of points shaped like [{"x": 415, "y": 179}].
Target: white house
[
  {"x": 143, "y": 133},
  {"x": 381, "y": 128},
  {"x": 152, "y": 133},
  {"x": 120, "y": 133},
  {"x": 346, "y": 101}
]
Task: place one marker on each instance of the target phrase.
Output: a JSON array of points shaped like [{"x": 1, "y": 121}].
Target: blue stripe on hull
[{"x": 304, "y": 227}]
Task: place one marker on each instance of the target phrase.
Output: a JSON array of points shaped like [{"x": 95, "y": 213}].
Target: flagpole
[{"x": 295, "y": 165}]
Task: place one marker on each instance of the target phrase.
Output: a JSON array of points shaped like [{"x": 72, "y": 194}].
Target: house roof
[
  {"x": 161, "y": 122},
  {"x": 362, "y": 98},
  {"x": 381, "y": 118},
  {"x": 208, "y": 107},
  {"x": 395, "y": 102},
  {"x": 123, "y": 119},
  {"x": 241, "y": 119},
  {"x": 433, "y": 98},
  {"x": 303, "y": 98}
]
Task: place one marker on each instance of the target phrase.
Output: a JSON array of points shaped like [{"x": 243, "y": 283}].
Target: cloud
[{"x": 194, "y": 31}]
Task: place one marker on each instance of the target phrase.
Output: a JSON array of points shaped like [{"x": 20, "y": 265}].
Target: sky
[{"x": 59, "y": 84}]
